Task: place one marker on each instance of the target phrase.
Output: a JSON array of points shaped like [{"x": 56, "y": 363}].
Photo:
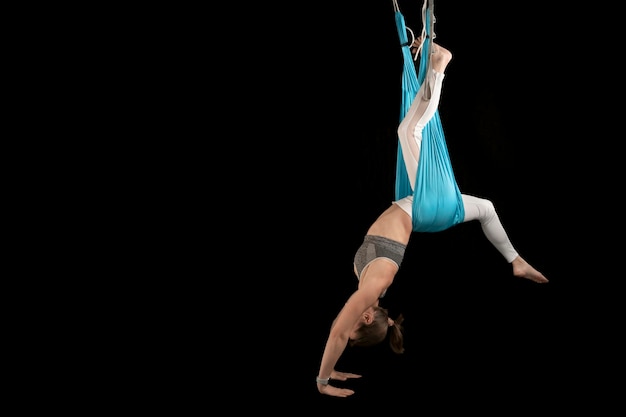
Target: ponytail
[{"x": 396, "y": 336}]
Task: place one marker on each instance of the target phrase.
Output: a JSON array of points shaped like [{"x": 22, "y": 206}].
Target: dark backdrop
[
  {"x": 509, "y": 111},
  {"x": 279, "y": 153},
  {"x": 307, "y": 162}
]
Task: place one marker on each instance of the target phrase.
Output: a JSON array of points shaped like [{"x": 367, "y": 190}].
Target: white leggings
[{"x": 410, "y": 136}]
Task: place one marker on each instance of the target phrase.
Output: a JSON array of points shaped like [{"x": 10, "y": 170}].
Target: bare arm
[{"x": 348, "y": 317}]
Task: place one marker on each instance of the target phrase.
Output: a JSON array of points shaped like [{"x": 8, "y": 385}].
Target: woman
[{"x": 361, "y": 321}]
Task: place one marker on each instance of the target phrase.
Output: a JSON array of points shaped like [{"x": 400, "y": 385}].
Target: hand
[
  {"x": 334, "y": 391},
  {"x": 343, "y": 376}
]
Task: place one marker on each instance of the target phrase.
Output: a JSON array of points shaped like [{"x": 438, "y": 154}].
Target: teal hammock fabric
[{"x": 437, "y": 203}]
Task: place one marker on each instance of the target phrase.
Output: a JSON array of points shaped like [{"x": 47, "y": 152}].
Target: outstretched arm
[{"x": 339, "y": 335}]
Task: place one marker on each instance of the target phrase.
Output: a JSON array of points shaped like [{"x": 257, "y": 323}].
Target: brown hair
[{"x": 375, "y": 332}]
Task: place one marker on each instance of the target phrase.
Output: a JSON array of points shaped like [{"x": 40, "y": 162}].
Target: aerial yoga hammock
[{"x": 437, "y": 203}]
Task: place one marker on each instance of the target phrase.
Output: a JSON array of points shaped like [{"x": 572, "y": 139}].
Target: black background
[
  {"x": 310, "y": 100},
  {"x": 518, "y": 127}
]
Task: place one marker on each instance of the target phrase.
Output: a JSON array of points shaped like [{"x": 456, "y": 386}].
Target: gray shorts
[{"x": 375, "y": 247}]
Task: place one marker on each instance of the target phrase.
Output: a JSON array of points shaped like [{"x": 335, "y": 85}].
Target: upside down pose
[{"x": 362, "y": 321}]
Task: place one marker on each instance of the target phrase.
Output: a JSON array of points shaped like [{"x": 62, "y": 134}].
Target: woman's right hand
[{"x": 334, "y": 391}]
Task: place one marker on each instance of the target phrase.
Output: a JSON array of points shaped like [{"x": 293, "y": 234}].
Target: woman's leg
[
  {"x": 484, "y": 211},
  {"x": 422, "y": 110}
]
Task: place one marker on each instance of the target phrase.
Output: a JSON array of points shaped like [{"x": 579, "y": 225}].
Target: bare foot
[
  {"x": 416, "y": 46},
  {"x": 439, "y": 55},
  {"x": 417, "y": 42},
  {"x": 523, "y": 269}
]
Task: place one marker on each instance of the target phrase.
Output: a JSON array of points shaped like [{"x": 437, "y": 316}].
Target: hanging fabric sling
[{"x": 437, "y": 203}]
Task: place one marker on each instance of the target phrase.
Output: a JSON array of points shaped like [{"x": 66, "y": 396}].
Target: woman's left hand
[{"x": 342, "y": 376}]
